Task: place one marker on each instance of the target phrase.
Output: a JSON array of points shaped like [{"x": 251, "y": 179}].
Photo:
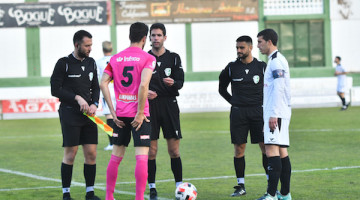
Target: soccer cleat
[
  {"x": 239, "y": 191},
  {"x": 92, "y": 198},
  {"x": 108, "y": 148},
  {"x": 153, "y": 194},
  {"x": 347, "y": 105},
  {"x": 283, "y": 197},
  {"x": 343, "y": 108},
  {"x": 267, "y": 196}
]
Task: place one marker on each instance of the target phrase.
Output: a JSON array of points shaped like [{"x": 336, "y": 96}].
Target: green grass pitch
[{"x": 324, "y": 152}]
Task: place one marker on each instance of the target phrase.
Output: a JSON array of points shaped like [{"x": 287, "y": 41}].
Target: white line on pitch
[
  {"x": 100, "y": 187},
  {"x": 74, "y": 183},
  {"x": 225, "y": 177},
  {"x": 291, "y": 130},
  {"x": 31, "y": 136},
  {"x": 209, "y": 131},
  {"x": 33, "y": 188}
]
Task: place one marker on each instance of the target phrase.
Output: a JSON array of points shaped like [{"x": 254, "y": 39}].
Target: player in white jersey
[
  {"x": 277, "y": 114},
  {"x": 101, "y": 64},
  {"x": 340, "y": 72}
]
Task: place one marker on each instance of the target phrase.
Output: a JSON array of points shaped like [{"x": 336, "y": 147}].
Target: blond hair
[{"x": 107, "y": 47}]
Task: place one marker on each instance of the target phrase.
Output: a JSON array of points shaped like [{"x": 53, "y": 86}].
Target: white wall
[
  {"x": 214, "y": 44},
  {"x": 305, "y": 93},
  {"x": 57, "y": 42},
  {"x": 12, "y": 1},
  {"x": 13, "y": 53},
  {"x": 175, "y": 41},
  {"x": 345, "y": 33}
]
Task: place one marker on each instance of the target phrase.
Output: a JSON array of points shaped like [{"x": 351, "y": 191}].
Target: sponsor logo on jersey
[
  {"x": 256, "y": 79},
  {"x": 159, "y": 63},
  {"x": 130, "y": 58},
  {"x": 74, "y": 75},
  {"x": 144, "y": 137},
  {"x": 246, "y": 71},
  {"x": 127, "y": 98},
  {"x": 91, "y": 76},
  {"x": 119, "y": 59},
  {"x": 167, "y": 71},
  {"x": 115, "y": 135}
]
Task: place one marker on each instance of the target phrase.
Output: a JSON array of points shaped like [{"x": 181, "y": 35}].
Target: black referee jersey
[
  {"x": 247, "y": 83},
  {"x": 73, "y": 77},
  {"x": 167, "y": 65}
]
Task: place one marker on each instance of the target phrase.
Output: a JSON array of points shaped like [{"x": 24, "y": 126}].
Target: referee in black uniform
[
  {"x": 246, "y": 75},
  {"x": 74, "y": 81},
  {"x": 167, "y": 79}
]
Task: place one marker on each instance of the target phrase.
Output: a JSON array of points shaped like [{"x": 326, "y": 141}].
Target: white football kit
[
  {"x": 277, "y": 99},
  {"x": 341, "y": 79},
  {"x": 101, "y": 65}
]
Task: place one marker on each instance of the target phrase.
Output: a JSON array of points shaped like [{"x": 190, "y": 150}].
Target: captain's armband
[{"x": 278, "y": 73}]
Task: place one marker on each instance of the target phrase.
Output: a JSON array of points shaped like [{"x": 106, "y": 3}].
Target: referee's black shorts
[
  {"x": 243, "y": 120},
  {"x": 77, "y": 129},
  {"x": 165, "y": 113}
]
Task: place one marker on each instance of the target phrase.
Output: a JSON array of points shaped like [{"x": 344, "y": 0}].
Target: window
[{"x": 301, "y": 42}]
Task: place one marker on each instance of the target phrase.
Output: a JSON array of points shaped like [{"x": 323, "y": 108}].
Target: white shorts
[
  {"x": 105, "y": 107},
  {"x": 278, "y": 137},
  {"x": 341, "y": 88}
]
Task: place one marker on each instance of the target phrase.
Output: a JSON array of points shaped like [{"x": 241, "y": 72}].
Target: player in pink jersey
[{"x": 131, "y": 70}]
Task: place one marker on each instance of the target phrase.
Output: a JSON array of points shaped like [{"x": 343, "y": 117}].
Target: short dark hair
[
  {"x": 158, "y": 26},
  {"x": 244, "y": 38},
  {"x": 338, "y": 57},
  {"x": 79, "y": 35},
  {"x": 137, "y": 31},
  {"x": 269, "y": 34}
]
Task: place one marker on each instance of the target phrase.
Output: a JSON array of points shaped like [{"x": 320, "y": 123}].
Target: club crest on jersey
[
  {"x": 256, "y": 79},
  {"x": 246, "y": 71},
  {"x": 91, "y": 76},
  {"x": 167, "y": 71},
  {"x": 83, "y": 68}
]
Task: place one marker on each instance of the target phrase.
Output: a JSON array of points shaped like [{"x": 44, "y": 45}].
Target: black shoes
[
  {"x": 153, "y": 194},
  {"x": 92, "y": 198},
  {"x": 239, "y": 191}
]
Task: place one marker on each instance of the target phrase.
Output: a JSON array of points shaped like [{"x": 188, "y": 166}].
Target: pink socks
[
  {"x": 141, "y": 174},
  {"x": 111, "y": 176}
]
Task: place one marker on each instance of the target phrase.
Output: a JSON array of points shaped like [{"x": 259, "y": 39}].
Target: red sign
[{"x": 31, "y": 105}]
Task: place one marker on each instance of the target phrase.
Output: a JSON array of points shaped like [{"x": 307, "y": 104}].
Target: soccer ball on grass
[{"x": 186, "y": 191}]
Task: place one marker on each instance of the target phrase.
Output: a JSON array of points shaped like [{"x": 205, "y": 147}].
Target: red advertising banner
[{"x": 30, "y": 105}]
